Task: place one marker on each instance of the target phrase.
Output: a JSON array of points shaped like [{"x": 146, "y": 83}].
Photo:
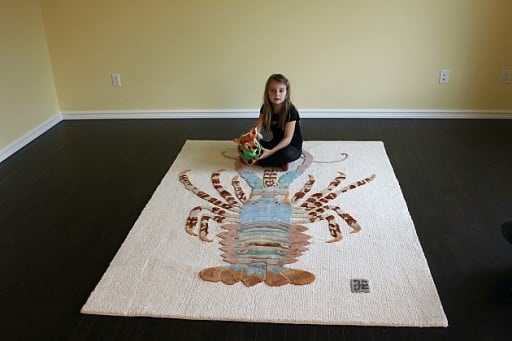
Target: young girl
[{"x": 280, "y": 116}]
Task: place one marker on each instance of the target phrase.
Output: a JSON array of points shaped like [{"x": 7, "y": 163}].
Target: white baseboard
[
  {"x": 29, "y": 137},
  {"x": 304, "y": 113}
]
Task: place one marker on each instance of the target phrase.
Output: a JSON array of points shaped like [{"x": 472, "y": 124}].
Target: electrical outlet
[
  {"x": 506, "y": 76},
  {"x": 444, "y": 75},
  {"x": 116, "y": 80}
]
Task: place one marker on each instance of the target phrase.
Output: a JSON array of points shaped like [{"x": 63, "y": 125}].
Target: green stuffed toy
[{"x": 249, "y": 148}]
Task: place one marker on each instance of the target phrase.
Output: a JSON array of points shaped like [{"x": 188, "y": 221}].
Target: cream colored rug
[{"x": 330, "y": 241}]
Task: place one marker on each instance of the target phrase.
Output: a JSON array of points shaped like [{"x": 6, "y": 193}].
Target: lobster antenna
[
  {"x": 224, "y": 153},
  {"x": 344, "y": 156}
]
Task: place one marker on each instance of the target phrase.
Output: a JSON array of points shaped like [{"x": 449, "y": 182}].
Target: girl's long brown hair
[{"x": 267, "y": 109}]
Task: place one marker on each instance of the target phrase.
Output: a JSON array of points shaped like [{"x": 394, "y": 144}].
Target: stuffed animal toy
[{"x": 249, "y": 148}]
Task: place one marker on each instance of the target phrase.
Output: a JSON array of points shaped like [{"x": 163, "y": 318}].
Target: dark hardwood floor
[{"x": 68, "y": 200}]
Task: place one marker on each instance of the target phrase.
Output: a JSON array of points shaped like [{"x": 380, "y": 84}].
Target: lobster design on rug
[{"x": 262, "y": 232}]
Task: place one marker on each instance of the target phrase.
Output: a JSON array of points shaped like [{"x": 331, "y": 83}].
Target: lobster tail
[{"x": 230, "y": 275}]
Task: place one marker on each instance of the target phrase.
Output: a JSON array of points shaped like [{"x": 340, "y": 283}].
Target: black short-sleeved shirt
[{"x": 278, "y": 133}]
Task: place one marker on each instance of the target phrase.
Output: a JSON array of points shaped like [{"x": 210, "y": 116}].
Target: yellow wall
[
  {"x": 203, "y": 54},
  {"x": 27, "y": 91}
]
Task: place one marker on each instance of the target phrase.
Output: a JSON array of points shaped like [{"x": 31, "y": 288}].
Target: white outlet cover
[
  {"x": 116, "y": 80},
  {"x": 444, "y": 76}
]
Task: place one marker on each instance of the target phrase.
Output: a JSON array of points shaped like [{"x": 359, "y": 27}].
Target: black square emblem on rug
[{"x": 360, "y": 285}]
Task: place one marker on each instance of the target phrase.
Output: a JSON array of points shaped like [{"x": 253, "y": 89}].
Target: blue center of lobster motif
[{"x": 266, "y": 209}]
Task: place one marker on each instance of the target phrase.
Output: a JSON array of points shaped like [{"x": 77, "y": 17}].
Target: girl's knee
[{"x": 292, "y": 154}]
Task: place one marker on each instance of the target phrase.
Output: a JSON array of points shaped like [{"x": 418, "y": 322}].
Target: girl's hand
[{"x": 266, "y": 153}]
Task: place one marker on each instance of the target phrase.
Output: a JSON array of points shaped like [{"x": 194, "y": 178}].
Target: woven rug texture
[{"x": 209, "y": 248}]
